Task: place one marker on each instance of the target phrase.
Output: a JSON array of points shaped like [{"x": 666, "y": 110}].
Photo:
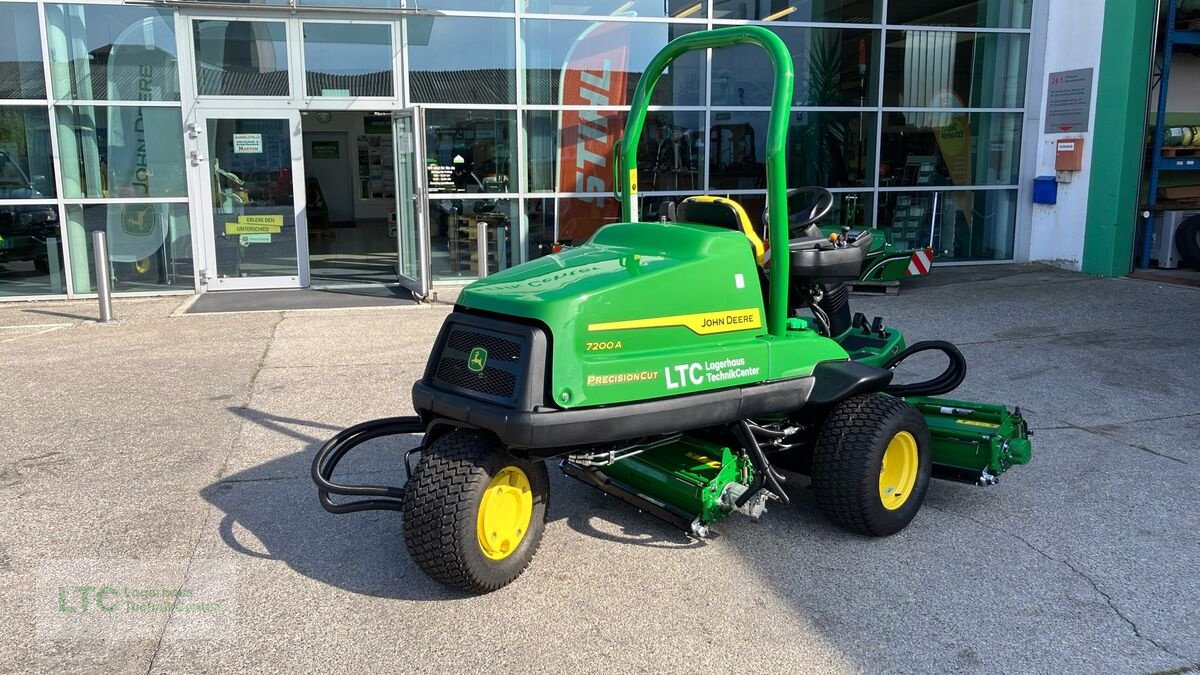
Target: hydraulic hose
[
  {"x": 948, "y": 381},
  {"x": 762, "y": 467}
]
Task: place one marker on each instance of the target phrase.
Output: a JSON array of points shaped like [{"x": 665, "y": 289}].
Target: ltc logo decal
[
  {"x": 138, "y": 220},
  {"x": 477, "y": 360}
]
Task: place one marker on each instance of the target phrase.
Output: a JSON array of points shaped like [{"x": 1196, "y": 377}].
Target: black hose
[
  {"x": 763, "y": 470},
  {"x": 948, "y": 381},
  {"x": 327, "y": 458}
]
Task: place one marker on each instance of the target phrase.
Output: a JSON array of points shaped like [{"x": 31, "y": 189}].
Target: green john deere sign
[
  {"x": 138, "y": 220},
  {"x": 477, "y": 360}
]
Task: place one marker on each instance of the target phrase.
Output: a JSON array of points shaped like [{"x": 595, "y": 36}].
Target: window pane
[
  {"x": 121, "y": 151},
  {"x": 967, "y": 225},
  {"x": 679, "y": 9},
  {"x": 580, "y": 217},
  {"x": 458, "y": 59},
  {"x": 938, "y": 69},
  {"x": 30, "y": 251},
  {"x": 981, "y": 13},
  {"x": 241, "y": 58},
  {"x": 932, "y": 148},
  {"x": 585, "y": 49},
  {"x": 26, "y": 163},
  {"x": 149, "y": 246},
  {"x": 357, "y": 4},
  {"x": 470, "y": 150},
  {"x": 100, "y": 52},
  {"x": 833, "y": 68},
  {"x": 571, "y": 151},
  {"x": 849, "y": 208},
  {"x": 476, "y": 5},
  {"x": 540, "y": 214},
  {"x": 454, "y": 230},
  {"x": 348, "y": 59},
  {"x": 21, "y": 73},
  {"x": 830, "y": 149},
  {"x": 832, "y": 11}
]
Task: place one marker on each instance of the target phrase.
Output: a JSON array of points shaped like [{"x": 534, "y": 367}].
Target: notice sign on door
[
  {"x": 270, "y": 224},
  {"x": 247, "y": 144}
]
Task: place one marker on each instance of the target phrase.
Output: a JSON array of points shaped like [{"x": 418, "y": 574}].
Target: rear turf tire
[
  {"x": 460, "y": 474},
  {"x": 853, "y": 483}
]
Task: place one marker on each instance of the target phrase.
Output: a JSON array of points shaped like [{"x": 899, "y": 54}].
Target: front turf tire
[
  {"x": 872, "y": 463},
  {"x": 466, "y": 483}
]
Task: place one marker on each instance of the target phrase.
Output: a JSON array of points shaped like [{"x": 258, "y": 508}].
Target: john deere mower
[{"x": 674, "y": 365}]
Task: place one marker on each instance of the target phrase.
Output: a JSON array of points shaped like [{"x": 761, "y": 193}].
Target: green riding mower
[{"x": 674, "y": 365}]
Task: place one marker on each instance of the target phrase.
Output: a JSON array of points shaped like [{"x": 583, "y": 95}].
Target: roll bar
[{"x": 777, "y": 127}]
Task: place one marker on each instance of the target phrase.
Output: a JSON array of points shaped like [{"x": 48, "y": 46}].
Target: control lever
[
  {"x": 860, "y": 321},
  {"x": 877, "y": 327}
]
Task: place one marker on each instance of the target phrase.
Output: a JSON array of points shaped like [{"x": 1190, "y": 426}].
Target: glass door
[
  {"x": 412, "y": 232},
  {"x": 253, "y": 173}
]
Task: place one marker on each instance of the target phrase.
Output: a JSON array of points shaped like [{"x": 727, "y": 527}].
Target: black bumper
[{"x": 554, "y": 429}]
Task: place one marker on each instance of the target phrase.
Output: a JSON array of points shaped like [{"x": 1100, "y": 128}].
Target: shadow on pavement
[{"x": 271, "y": 512}]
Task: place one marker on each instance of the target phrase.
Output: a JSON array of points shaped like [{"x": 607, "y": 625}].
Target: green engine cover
[{"x": 648, "y": 310}]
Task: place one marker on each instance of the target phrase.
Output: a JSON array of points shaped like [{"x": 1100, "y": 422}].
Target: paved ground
[{"x": 189, "y": 438}]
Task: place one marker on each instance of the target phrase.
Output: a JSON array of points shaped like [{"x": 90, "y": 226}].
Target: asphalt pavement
[{"x": 184, "y": 442}]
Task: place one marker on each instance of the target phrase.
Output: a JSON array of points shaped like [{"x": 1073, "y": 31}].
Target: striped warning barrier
[{"x": 920, "y": 263}]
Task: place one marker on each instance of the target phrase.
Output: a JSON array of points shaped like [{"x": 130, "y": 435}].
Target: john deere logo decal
[
  {"x": 138, "y": 220},
  {"x": 477, "y": 360}
]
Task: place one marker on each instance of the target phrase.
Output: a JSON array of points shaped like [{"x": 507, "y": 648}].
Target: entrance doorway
[
  {"x": 350, "y": 190},
  {"x": 251, "y": 174}
]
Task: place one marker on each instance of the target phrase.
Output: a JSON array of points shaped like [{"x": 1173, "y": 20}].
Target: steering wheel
[{"x": 822, "y": 205}]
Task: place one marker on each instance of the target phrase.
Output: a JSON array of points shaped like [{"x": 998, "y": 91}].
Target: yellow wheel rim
[
  {"x": 142, "y": 266},
  {"x": 898, "y": 474},
  {"x": 504, "y": 513}
]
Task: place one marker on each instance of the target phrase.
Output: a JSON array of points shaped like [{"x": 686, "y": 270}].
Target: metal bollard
[{"x": 103, "y": 276}]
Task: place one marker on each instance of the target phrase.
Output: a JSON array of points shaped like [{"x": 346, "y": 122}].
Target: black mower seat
[
  {"x": 719, "y": 212},
  {"x": 816, "y": 259}
]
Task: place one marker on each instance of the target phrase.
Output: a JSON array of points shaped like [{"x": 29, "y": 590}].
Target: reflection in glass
[
  {"x": 830, "y": 149},
  {"x": 470, "y": 150},
  {"x": 941, "y": 148},
  {"x": 571, "y": 151},
  {"x": 26, "y": 162},
  {"x": 21, "y": 73},
  {"x": 580, "y": 217},
  {"x": 596, "y": 64},
  {"x": 344, "y": 60},
  {"x": 458, "y": 226},
  {"x": 149, "y": 246},
  {"x": 830, "y": 11},
  {"x": 853, "y": 209},
  {"x": 30, "y": 251},
  {"x": 460, "y": 59},
  {"x": 112, "y": 52},
  {"x": 121, "y": 151},
  {"x": 946, "y": 69},
  {"x": 474, "y": 5},
  {"x": 834, "y": 67},
  {"x": 976, "y": 13},
  {"x": 254, "y": 219},
  {"x": 967, "y": 225},
  {"x": 678, "y": 9},
  {"x": 241, "y": 58},
  {"x": 540, "y": 214}
]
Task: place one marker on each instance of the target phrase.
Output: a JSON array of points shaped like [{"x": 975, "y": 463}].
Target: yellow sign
[
  {"x": 633, "y": 182},
  {"x": 263, "y": 224},
  {"x": 272, "y": 219},
  {"x": 704, "y": 323},
  {"x": 244, "y": 228}
]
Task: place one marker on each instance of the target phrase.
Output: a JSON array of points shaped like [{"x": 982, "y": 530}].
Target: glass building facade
[{"x": 257, "y": 146}]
